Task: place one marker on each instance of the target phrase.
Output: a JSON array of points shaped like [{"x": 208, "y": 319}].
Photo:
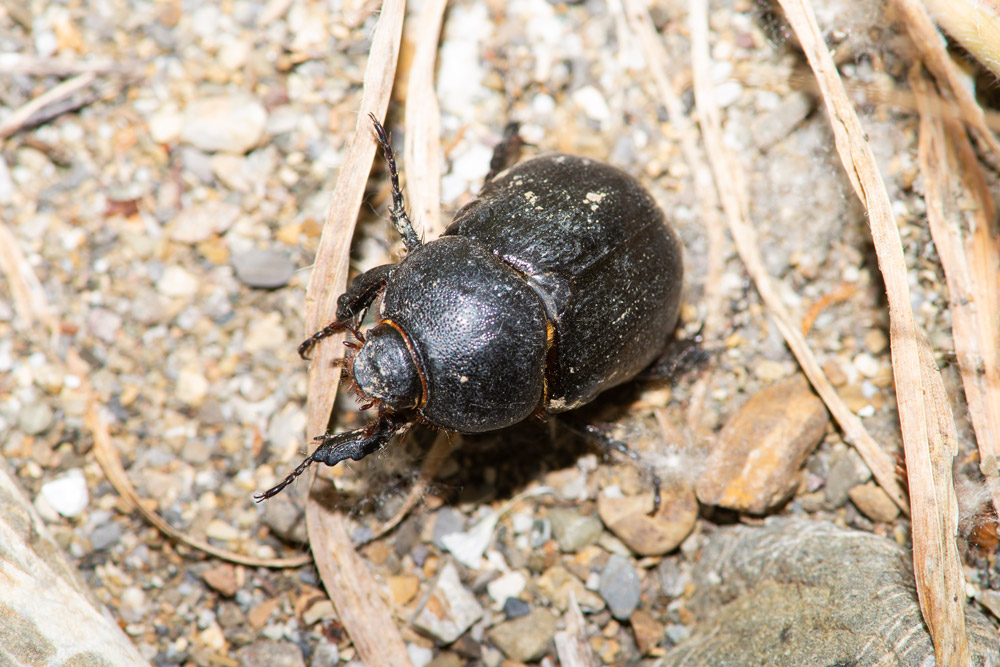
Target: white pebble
[
  {"x": 177, "y": 281},
  {"x": 67, "y": 494},
  {"x": 509, "y": 585},
  {"x": 593, "y": 103}
]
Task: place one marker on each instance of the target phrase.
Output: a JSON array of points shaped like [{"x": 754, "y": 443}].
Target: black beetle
[{"x": 562, "y": 279}]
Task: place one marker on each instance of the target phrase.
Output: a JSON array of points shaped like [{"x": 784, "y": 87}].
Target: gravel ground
[{"x": 172, "y": 222}]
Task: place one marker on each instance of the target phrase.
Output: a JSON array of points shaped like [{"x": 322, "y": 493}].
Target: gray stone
[
  {"x": 527, "y": 638},
  {"x": 572, "y": 530},
  {"x": 35, "y": 418},
  {"x": 447, "y": 520},
  {"x": 105, "y": 535},
  {"x": 847, "y": 470},
  {"x": 797, "y": 592},
  {"x": 264, "y": 269},
  {"x": 620, "y": 587}
]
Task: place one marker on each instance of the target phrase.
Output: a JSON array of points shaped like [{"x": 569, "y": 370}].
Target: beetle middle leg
[
  {"x": 594, "y": 434},
  {"x": 337, "y": 447},
  {"x": 397, "y": 212},
  {"x": 507, "y": 152}
]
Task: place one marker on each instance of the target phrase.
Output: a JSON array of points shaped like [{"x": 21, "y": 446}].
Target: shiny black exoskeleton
[{"x": 562, "y": 279}]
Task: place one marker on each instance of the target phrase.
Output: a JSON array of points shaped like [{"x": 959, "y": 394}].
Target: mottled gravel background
[{"x": 172, "y": 221}]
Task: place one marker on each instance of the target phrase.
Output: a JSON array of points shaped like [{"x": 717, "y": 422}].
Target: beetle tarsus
[
  {"x": 337, "y": 447},
  {"x": 397, "y": 212},
  {"x": 333, "y": 328}
]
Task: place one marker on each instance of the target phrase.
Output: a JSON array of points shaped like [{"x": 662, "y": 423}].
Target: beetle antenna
[{"x": 397, "y": 212}]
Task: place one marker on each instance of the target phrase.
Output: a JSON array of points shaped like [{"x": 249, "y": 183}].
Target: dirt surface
[{"x": 171, "y": 221}]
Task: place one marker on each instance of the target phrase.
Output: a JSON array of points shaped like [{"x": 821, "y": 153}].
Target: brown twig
[
  {"x": 919, "y": 390},
  {"x": 345, "y": 575}
]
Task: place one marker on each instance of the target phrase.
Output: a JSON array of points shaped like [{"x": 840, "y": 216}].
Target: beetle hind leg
[
  {"x": 507, "y": 152},
  {"x": 596, "y": 435},
  {"x": 400, "y": 220}
]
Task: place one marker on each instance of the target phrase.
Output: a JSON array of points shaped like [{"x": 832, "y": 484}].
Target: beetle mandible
[{"x": 562, "y": 279}]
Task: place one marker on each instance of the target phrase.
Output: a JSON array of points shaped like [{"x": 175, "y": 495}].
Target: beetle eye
[{"x": 384, "y": 369}]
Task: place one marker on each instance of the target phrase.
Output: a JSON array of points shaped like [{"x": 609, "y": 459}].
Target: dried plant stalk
[
  {"x": 966, "y": 242},
  {"x": 931, "y": 46},
  {"x": 974, "y": 23},
  {"x": 348, "y": 582},
  {"x": 732, "y": 191},
  {"x": 938, "y": 572},
  {"x": 422, "y": 145}
]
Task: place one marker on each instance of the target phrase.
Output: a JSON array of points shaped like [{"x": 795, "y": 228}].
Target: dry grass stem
[
  {"x": 21, "y": 116},
  {"x": 932, "y": 49},
  {"x": 422, "y": 144},
  {"x": 15, "y": 63},
  {"x": 974, "y": 23},
  {"x": 960, "y": 212},
  {"x": 356, "y": 596},
  {"x": 641, "y": 24},
  {"x": 732, "y": 191},
  {"x": 940, "y": 583}
]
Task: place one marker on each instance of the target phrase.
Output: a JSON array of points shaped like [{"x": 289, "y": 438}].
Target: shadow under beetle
[{"x": 562, "y": 279}]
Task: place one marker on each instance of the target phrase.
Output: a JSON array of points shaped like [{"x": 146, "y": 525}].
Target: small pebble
[
  {"x": 620, "y": 587},
  {"x": 67, "y": 494},
  {"x": 105, "y": 535},
  {"x": 572, "y": 530},
  {"x": 515, "y": 608},
  {"x": 628, "y": 518},
  {"x": 324, "y": 654},
  {"x": 200, "y": 222},
  {"x": 263, "y": 269},
  {"x": 527, "y": 638},
  {"x": 447, "y": 520},
  {"x": 231, "y": 123},
  {"x": 268, "y": 653},
  {"x": 847, "y": 470},
  {"x": 647, "y": 630},
  {"x": 35, "y": 418},
  {"x": 450, "y": 610},
  {"x": 222, "y": 578},
  {"x": 177, "y": 282},
  {"x": 873, "y": 502},
  {"x": 506, "y": 587}
]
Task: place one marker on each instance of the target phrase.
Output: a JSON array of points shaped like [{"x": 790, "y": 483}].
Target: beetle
[{"x": 560, "y": 280}]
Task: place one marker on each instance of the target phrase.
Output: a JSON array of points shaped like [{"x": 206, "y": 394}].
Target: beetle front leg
[
  {"x": 354, "y": 445},
  {"x": 351, "y": 305},
  {"x": 397, "y": 212}
]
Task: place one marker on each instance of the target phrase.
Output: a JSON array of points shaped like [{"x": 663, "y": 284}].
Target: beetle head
[{"x": 383, "y": 369}]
